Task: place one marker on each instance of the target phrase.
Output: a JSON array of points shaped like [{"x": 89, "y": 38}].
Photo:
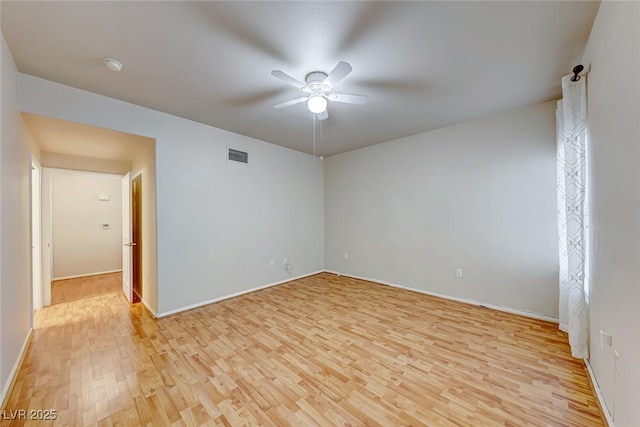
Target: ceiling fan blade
[
  {"x": 323, "y": 116},
  {"x": 348, "y": 99},
  {"x": 289, "y": 103},
  {"x": 288, "y": 79},
  {"x": 339, "y": 72}
]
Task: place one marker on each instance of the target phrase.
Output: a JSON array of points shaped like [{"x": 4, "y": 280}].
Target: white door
[
  {"x": 47, "y": 236},
  {"x": 127, "y": 288},
  {"x": 36, "y": 237}
]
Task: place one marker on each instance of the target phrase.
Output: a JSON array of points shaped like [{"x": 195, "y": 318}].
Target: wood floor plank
[{"x": 323, "y": 350}]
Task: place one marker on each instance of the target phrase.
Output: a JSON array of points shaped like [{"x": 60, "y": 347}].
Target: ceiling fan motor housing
[{"x": 314, "y": 81}]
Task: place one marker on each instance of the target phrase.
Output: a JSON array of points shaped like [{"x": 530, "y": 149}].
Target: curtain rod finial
[{"x": 576, "y": 71}]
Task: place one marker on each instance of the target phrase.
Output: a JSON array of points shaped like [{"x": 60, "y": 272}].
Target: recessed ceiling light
[{"x": 112, "y": 64}]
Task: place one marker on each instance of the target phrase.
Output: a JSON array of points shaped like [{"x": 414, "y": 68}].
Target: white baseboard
[
  {"x": 86, "y": 275},
  {"x": 148, "y": 308},
  {"x": 8, "y": 385},
  {"x": 222, "y": 298},
  {"x": 452, "y": 298},
  {"x": 599, "y": 395}
]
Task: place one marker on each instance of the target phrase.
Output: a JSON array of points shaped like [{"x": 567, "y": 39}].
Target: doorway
[
  {"x": 106, "y": 151},
  {"x": 136, "y": 234},
  {"x": 81, "y": 231}
]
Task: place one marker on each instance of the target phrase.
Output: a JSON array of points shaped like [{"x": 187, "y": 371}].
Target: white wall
[
  {"x": 80, "y": 163},
  {"x": 4, "y": 52},
  {"x": 15, "y": 267},
  {"x": 613, "y": 93},
  {"x": 218, "y": 223},
  {"x": 80, "y": 245},
  {"x": 478, "y": 196},
  {"x": 144, "y": 164}
]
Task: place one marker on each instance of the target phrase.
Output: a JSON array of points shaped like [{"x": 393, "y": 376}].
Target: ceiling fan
[{"x": 318, "y": 86}]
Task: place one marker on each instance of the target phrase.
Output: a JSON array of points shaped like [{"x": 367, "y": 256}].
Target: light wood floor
[
  {"x": 85, "y": 287},
  {"x": 323, "y": 350}
]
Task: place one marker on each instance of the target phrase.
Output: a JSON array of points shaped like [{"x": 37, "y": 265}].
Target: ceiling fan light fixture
[{"x": 317, "y": 104}]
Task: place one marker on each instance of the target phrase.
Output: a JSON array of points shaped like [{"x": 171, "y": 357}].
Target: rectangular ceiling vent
[{"x": 238, "y": 156}]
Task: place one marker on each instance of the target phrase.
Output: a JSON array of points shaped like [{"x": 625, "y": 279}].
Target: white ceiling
[
  {"x": 59, "y": 136},
  {"x": 423, "y": 65}
]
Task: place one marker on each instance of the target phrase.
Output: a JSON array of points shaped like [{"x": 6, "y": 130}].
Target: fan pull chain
[{"x": 314, "y": 140}]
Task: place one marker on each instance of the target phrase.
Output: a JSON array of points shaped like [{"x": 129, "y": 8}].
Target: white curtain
[{"x": 571, "y": 116}]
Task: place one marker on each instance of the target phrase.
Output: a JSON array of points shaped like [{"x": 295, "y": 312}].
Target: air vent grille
[{"x": 238, "y": 156}]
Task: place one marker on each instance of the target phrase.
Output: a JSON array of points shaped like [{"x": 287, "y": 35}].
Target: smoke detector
[{"x": 112, "y": 64}]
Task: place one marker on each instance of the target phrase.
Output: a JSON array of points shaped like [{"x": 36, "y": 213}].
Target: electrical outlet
[
  {"x": 458, "y": 272},
  {"x": 273, "y": 263},
  {"x": 617, "y": 361},
  {"x": 285, "y": 261},
  {"x": 346, "y": 257}
]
